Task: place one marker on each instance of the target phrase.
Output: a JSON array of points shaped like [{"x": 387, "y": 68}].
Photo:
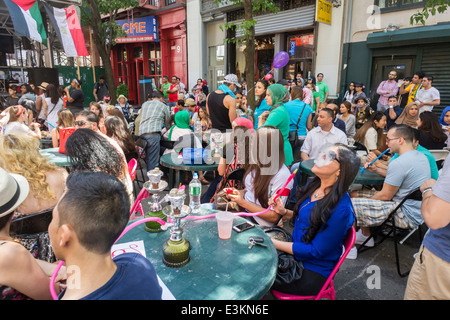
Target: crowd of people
[{"x": 291, "y": 122}]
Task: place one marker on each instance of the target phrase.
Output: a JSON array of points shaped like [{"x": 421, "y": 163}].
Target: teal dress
[{"x": 280, "y": 118}]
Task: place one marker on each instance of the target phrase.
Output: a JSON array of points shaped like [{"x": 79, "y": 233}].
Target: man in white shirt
[
  {"x": 324, "y": 133},
  {"x": 427, "y": 97}
]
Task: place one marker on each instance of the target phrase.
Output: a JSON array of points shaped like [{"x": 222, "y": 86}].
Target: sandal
[{"x": 203, "y": 180}]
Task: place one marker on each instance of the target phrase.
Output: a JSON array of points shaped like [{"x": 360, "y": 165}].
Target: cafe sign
[
  {"x": 143, "y": 29},
  {"x": 323, "y": 12}
]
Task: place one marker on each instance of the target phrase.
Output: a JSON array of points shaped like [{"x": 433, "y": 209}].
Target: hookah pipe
[
  {"x": 384, "y": 152},
  {"x": 162, "y": 222}
]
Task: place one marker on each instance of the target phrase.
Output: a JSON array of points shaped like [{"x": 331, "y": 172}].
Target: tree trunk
[
  {"x": 249, "y": 53},
  {"x": 103, "y": 50}
]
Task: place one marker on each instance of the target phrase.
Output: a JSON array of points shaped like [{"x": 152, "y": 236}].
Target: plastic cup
[{"x": 225, "y": 224}]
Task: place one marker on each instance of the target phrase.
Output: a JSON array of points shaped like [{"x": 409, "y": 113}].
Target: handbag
[
  {"x": 293, "y": 135},
  {"x": 64, "y": 134},
  {"x": 277, "y": 233},
  {"x": 289, "y": 269},
  {"x": 222, "y": 203}
]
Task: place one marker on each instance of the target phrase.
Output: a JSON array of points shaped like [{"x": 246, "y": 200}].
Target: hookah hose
[{"x": 162, "y": 222}]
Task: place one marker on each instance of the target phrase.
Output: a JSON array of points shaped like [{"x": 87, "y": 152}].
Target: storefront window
[
  {"x": 300, "y": 48},
  {"x": 216, "y": 56},
  {"x": 154, "y": 62}
]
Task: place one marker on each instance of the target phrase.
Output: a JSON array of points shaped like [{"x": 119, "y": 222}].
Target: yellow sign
[{"x": 324, "y": 8}]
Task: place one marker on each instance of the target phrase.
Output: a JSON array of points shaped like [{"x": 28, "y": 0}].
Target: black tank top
[{"x": 218, "y": 113}]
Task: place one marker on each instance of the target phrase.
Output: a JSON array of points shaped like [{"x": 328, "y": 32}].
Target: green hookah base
[{"x": 176, "y": 253}]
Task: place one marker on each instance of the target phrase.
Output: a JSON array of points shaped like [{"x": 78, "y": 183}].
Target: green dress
[{"x": 280, "y": 118}]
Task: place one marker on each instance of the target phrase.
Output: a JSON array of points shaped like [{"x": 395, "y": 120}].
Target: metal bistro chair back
[
  {"x": 327, "y": 290},
  {"x": 389, "y": 224}
]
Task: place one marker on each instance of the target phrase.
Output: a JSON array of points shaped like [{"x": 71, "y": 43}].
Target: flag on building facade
[
  {"x": 68, "y": 28},
  {"x": 27, "y": 19}
]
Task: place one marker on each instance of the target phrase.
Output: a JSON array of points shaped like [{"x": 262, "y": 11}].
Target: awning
[{"x": 410, "y": 36}]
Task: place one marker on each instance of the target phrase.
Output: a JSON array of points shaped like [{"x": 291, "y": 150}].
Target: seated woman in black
[{"x": 431, "y": 135}]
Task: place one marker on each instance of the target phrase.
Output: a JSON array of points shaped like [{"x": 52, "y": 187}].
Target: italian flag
[
  {"x": 27, "y": 19},
  {"x": 68, "y": 29}
]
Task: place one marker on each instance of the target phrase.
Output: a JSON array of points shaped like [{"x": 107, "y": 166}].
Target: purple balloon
[{"x": 281, "y": 59}]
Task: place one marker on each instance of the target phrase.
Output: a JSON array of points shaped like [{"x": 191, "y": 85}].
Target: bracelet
[{"x": 427, "y": 189}]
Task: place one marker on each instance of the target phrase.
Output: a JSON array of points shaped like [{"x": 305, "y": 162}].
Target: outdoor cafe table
[
  {"x": 176, "y": 165},
  {"x": 365, "y": 178},
  {"x": 52, "y": 154},
  {"x": 218, "y": 269}
]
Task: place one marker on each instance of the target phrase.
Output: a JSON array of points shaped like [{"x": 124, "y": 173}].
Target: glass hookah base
[{"x": 176, "y": 253}]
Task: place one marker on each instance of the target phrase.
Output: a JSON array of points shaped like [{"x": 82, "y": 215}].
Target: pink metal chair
[
  {"x": 327, "y": 290},
  {"x": 132, "y": 165},
  {"x": 137, "y": 206}
]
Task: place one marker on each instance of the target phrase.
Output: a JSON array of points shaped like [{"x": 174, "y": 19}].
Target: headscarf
[
  {"x": 405, "y": 118},
  {"x": 182, "y": 121},
  {"x": 279, "y": 95},
  {"x": 441, "y": 119}
]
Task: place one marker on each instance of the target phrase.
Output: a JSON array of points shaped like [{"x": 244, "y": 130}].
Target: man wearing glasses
[
  {"x": 386, "y": 89},
  {"x": 89, "y": 120},
  {"x": 404, "y": 174}
]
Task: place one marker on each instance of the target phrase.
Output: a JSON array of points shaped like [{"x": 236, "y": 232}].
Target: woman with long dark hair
[
  {"x": 371, "y": 133},
  {"x": 323, "y": 215},
  {"x": 265, "y": 175},
  {"x": 431, "y": 135},
  {"x": 261, "y": 104},
  {"x": 116, "y": 129},
  {"x": 88, "y": 150}
]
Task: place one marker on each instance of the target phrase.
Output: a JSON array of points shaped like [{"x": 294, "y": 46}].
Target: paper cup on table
[{"x": 224, "y": 224}]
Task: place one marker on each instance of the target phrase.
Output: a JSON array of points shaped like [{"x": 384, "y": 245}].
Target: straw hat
[
  {"x": 14, "y": 189},
  {"x": 122, "y": 96},
  {"x": 43, "y": 86},
  {"x": 190, "y": 102}
]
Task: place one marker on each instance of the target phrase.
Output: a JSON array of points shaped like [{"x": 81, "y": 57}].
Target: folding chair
[
  {"x": 440, "y": 156},
  {"x": 389, "y": 224},
  {"x": 140, "y": 178},
  {"x": 327, "y": 290},
  {"x": 137, "y": 206},
  {"x": 132, "y": 165}
]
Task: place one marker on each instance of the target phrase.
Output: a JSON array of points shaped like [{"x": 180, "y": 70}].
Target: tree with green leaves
[
  {"x": 101, "y": 16},
  {"x": 247, "y": 29},
  {"x": 431, "y": 8}
]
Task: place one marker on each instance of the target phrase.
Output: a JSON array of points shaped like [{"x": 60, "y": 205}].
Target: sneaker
[
  {"x": 360, "y": 238},
  {"x": 353, "y": 254}
]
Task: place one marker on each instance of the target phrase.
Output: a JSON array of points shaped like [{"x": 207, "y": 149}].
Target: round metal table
[
  {"x": 176, "y": 165},
  {"x": 218, "y": 269},
  {"x": 53, "y": 154},
  {"x": 365, "y": 178}
]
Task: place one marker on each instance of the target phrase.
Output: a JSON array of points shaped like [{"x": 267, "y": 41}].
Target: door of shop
[
  {"x": 176, "y": 62},
  {"x": 139, "y": 67},
  {"x": 404, "y": 65}
]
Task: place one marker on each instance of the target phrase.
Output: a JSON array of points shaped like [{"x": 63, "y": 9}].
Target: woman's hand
[
  {"x": 277, "y": 206},
  {"x": 236, "y": 196}
]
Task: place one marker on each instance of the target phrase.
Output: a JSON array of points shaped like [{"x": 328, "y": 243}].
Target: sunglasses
[{"x": 81, "y": 123}]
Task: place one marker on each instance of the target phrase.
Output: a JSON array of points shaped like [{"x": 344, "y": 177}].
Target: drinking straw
[{"x": 384, "y": 152}]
